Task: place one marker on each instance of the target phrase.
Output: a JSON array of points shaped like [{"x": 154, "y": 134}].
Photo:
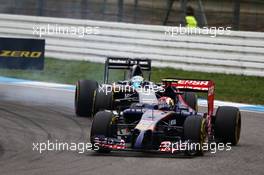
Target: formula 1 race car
[
  {"x": 90, "y": 97},
  {"x": 140, "y": 115}
]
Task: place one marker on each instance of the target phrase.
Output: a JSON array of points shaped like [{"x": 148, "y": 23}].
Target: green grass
[{"x": 245, "y": 89}]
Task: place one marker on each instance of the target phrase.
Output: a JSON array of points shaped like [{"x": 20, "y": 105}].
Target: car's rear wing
[
  {"x": 126, "y": 64},
  {"x": 193, "y": 85}
]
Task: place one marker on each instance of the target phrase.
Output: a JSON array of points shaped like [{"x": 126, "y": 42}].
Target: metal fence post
[
  {"x": 183, "y": 12},
  {"x": 203, "y": 16},
  {"x": 135, "y": 10},
  {"x": 103, "y": 7},
  {"x": 236, "y": 17},
  {"x": 40, "y": 11},
  {"x": 120, "y": 10},
  {"x": 168, "y": 10},
  {"x": 84, "y": 9}
]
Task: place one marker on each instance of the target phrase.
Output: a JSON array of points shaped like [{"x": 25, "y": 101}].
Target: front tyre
[
  {"x": 103, "y": 100},
  {"x": 195, "y": 133},
  {"x": 84, "y": 97},
  {"x": 102, "y": 126}
]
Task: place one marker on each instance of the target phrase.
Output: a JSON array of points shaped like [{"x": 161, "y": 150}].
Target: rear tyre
[
  {"x": 227, "y": 125},
  {"x": 101, "y": 126},
  {"x": 103, "y": 100},
  {"x": 84, "y": 97},
  {"x": 195, "y": 132},
  {"x": 191, "y": 100}
]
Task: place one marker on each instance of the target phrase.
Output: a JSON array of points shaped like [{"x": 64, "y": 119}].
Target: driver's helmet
[
  {"x": 137, "y": 81},
  {"x": 165, "y": 103}
]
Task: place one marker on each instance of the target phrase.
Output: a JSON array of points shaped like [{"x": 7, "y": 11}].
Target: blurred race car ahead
[{"x": 139, "y": 115}]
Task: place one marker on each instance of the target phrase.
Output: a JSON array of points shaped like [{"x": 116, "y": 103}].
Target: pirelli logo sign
[
  {"x": 19, "y": 54},
  {"x": 16, "y": 53}
]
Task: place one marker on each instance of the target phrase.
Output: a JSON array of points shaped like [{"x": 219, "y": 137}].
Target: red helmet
[{"x": 165, "y": 103}]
